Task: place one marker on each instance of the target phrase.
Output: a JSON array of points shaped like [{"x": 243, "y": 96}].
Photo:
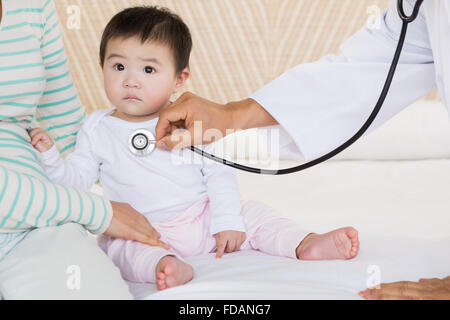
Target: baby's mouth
[{"x": 131, "y": 98}]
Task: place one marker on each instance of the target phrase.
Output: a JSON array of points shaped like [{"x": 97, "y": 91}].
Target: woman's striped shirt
[{"x": 36, "y": 89}]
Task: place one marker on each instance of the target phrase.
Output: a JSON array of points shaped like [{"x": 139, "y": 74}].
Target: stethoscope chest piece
[{"x": 142, "y": 142}]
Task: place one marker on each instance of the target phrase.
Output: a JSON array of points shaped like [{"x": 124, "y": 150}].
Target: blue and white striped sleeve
[
  {"x": 30, "y": 202},
  {"x": 28, "y": 199},
  {"x": 59, "y": 111}
]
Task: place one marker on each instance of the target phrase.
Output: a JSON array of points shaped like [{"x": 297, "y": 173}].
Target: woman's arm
[
  {"x": 28, "y": 202},
  {"x": 28, "y": 199},
  {"x": 59, "y": 111}
]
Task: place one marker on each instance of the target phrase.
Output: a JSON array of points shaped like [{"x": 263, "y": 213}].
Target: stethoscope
[{"x": 142, "y": 142}]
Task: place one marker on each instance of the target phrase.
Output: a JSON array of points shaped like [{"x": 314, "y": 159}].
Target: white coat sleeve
[
  {"x": 80, "y": 170},
  {"x": 223, "y": 192},
  {"x": 322, "y": 104}
]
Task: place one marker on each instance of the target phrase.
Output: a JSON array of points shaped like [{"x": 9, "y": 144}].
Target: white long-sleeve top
[
  {"x": 159, "y": 185},
  {"x": 323, "y": 103}
]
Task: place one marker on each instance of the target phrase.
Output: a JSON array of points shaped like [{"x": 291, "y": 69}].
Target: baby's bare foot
[
  {"x": 171, "y": 272},
  {"x": 338, "y": 244}
]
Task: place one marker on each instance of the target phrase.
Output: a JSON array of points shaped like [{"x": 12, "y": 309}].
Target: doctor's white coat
[{"x": 324, "y": 103}]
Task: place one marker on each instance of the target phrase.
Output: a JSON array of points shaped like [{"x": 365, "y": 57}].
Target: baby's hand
[
  {"x": 40, "y": 140},
  {"x": 228, "y": 241}
]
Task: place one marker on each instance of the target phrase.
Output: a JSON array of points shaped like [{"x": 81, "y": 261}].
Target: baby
[{"x": 196, "y": 207}]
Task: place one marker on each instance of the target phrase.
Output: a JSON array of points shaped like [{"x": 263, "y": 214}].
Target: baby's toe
[
  {"x": 354, "y": 250},
  {"x": 161, "y": 284},
  {"x": 160, "y": 275},
  {"x": 352, "y": 233}
]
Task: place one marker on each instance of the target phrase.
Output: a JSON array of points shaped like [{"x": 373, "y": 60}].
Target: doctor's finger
[
  {"x": 184, "y": 99},
  {"x": 401, "y": 291},
  {"x": 402, "y": 286},
  {"x": 168, "y": 116},
  {"x": 179, "y": 139},
  {"x": 387, "y": 297}
]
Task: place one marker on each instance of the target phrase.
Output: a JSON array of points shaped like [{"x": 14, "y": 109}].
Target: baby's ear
[{"x": 182, "y": 78}]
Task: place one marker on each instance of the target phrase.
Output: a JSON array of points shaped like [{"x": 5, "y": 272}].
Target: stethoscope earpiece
[{"x": 142, "y": 142}]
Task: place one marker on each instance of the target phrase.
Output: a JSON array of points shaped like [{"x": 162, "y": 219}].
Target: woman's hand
[
  {"x": 129, "y": 224},
  {"x": 192, "y": 120},
  {"x": 228, "y": 241},
  {"x": 425, "y": 289}
]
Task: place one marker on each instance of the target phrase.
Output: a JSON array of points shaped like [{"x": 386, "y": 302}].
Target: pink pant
[{"x": 188, "y": 235}]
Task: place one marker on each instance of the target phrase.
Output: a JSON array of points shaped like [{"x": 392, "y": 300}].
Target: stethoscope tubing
[{"x": 406, "y": 20}]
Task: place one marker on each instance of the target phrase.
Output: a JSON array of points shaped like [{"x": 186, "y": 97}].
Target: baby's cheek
[
  {"x": 112, "y": 92},
  {"x": 157, "y": 95}
]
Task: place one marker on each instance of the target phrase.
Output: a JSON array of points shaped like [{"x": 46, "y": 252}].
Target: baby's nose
[{"x": 131, "y": 82}]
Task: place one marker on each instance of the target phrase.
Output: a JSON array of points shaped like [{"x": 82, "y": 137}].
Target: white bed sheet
[
  {"x": 401, "y": 209},
  {"x": 252, "y": 275}
]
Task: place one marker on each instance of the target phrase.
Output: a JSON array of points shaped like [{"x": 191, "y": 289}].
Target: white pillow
[{"x": 421, "y": 131}]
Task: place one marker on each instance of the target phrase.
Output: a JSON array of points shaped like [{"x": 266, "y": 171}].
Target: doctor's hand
[
  {"x": 129, "y": 224},
  {"x": 425, "y": 289},
  {"x": 228, "y": 241},
  {"x": 178, "y": 124}
]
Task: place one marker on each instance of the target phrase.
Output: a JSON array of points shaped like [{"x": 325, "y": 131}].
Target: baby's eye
[
  {"x": 119, "y": 67},
  {"x": 149, "y": 70}
]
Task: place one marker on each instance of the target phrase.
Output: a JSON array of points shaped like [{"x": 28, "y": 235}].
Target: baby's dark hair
[{"x": 151, "y": 23}]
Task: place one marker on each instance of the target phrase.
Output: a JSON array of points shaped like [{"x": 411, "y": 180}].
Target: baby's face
[{"x": 140, "y": 78}]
